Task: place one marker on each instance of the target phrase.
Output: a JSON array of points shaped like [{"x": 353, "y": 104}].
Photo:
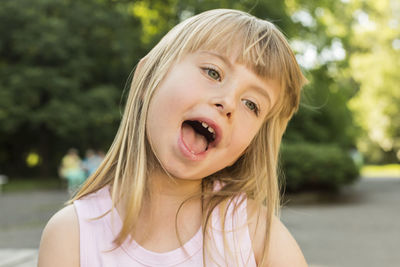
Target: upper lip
[{"x": 214, "y": 125}]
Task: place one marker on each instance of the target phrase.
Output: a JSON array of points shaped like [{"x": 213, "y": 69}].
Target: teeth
[{"x": 209, "y": 128}]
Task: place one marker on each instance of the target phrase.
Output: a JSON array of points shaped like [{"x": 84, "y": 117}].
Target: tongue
[{"x": 197, "y": 143}]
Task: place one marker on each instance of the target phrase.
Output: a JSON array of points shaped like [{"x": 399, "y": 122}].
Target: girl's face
[{"x": 205, "y": 113}]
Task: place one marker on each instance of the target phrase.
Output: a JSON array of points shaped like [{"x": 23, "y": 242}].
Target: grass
[
  {"x": 54, "y": 183},
  {"x": 31, "y": 184},
  {"x": 389, "y": 170}
]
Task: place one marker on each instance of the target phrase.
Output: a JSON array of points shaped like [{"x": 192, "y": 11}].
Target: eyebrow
[
  {"x": 221, "y": 57},
  {"x": 227, "y": 62},
  {"x": 262, "y": 92}
]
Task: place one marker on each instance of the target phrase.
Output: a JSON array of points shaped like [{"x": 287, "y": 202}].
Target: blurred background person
[
  {"x": 71, "y": 170},
  {"x": 91, "y": 161}
]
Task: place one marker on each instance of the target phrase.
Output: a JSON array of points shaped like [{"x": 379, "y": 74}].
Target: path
[
  {"x": 22, "y": 218},
  {"x": 358, "y": 228}
]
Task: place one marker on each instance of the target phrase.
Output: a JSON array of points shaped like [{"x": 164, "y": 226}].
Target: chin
[
  {"x": 184, "y": 175},
  {"x": 183, "y": 172}
]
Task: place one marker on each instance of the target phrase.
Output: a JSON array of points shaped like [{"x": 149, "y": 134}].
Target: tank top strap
[
  {"x": 96, "y": 240},
  {"x": 231, "y": 243}
]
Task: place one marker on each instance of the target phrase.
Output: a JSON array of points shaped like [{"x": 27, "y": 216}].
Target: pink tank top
[{"x": 97, "y": 235}]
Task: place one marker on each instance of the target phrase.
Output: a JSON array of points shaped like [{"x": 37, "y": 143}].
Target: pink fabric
[{"x": 97, "y": 249}]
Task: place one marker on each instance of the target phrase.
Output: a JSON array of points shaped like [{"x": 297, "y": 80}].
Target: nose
[{"x": 225, "y": 105}]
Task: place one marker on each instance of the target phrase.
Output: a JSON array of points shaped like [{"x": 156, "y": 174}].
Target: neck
[
  {"x": 166, "y": 190},
  {"x": 159, "y": 215},
  {"x": 166, "y": 194}
]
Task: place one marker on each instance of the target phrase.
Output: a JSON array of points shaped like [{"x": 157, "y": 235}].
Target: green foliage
[
  {"x": 388, "y": 170},
  {"x": 375, "y": 64},
  {"x": 31, "y": 184},
  {"x": 308, "y": 165},
  {"x": 63, "y": 65},
  {"x": 62, "y": 70},
  {"x": 323, "y": 116}
]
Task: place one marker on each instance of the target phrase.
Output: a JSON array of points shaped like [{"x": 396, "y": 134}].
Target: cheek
[
  {"x": 242, "y": 141},
  {"x": 247, "y": 131},
  {"x": 175, "y": 96},
  {"x": 164, "y": 105}
]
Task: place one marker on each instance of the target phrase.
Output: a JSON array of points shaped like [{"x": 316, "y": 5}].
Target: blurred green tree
[
  {"x": 63, "y": 65},
  {"x": 375, "y": 64},
  {"x": 62, "y": 70}
]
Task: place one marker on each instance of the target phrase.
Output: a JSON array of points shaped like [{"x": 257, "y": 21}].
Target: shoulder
[
  {"x": 283, "y": 250},
  {"x": 59, "y": 245}
]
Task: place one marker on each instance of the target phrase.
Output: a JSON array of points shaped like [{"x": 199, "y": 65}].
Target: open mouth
[{"x": 198, "y": 136}]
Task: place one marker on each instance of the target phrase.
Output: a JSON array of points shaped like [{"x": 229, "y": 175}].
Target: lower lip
[{"x": 187, "y": 153}]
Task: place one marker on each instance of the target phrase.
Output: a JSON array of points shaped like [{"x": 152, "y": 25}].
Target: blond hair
[{"x": 260, "y": 46}]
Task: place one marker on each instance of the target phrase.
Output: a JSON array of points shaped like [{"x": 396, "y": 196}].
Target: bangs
[{"x": 257, "y": 44}]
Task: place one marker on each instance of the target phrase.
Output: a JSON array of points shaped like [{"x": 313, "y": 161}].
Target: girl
[{"x": 191, "y": 177}]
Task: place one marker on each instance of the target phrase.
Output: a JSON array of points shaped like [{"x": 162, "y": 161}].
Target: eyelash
[
  {"x": 208, "y": 69},
  {"x": 256, "y": 109}
]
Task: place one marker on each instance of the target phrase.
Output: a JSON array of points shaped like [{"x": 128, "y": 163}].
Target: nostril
[{"x": 222, "y": 109}]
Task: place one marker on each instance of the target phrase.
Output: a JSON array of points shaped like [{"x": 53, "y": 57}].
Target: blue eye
[
  {"x": 213, "y": 74},
  {"x": 252, "y": 106}
]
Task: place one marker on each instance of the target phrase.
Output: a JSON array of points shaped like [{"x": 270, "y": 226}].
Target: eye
[
  {"x": 252, "y": 106},
  {"x": 214, "y": 74}
]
